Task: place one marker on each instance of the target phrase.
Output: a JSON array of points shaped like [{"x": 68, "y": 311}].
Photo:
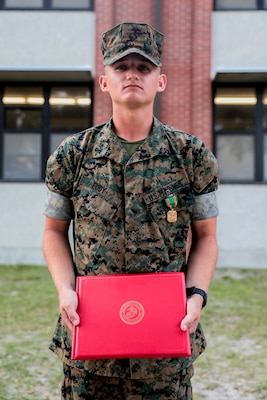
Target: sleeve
[
  {"x": 60, "y": 169},
  {"x": 205, "y": 169},
  {"x": 205, "y": 206},
  {"x": 58, "y": 206}
]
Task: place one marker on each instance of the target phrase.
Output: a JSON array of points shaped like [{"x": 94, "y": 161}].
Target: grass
[
  {"x": 233, "y": 366},
  {"x": 235, "y": 362},
  {"x": 27, "y": 317}
]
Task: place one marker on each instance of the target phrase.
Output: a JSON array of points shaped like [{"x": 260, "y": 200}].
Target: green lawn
[
  {"x": 29, "y": 309},
  {"x": 233, "y": 367},
  {"x": 235, "y": 363}
]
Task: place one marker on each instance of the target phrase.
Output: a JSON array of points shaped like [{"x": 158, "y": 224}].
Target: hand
[
  {"x": 194, "y": 307},
  {"x": 68, "y": 303}
]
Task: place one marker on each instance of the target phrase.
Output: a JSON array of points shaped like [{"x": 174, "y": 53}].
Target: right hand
[{"x": 68, "y": 303}]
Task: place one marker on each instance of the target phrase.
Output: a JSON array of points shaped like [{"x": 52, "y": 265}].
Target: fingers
[
  {"x": 68, "y": 306},
  {"x": 70, "y": 318},
  {"x": 189, "y": 324},
  {"x": 191, "y": 320}
]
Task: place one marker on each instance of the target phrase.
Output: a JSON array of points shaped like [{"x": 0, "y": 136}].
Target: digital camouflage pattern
[
  {"x": 120, "y": 221},
  {"x": 130, "y": 37},
  {"x": 79, "y": 385}
]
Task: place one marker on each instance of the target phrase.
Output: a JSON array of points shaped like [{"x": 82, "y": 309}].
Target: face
[{"x": 132, "y": 81}]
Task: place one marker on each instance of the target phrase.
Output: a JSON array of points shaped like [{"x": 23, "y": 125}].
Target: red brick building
[
  {"x": 215, "y": 60},
  {"x": 186, "y": 103}
]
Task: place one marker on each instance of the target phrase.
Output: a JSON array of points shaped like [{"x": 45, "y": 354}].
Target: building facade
[{"x": 215, "y": 59}]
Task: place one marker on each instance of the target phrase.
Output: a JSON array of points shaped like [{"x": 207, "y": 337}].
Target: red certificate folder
[{"x": 131, "y": 316}]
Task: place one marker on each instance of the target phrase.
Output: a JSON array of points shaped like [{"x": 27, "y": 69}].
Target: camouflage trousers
[{"x": 79, "y": 385}]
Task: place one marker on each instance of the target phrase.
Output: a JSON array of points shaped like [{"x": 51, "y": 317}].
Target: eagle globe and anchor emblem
[{"x": 132, "y": 312}]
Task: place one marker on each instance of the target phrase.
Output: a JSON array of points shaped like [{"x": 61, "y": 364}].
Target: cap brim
[{"x": 132, "y": 50}]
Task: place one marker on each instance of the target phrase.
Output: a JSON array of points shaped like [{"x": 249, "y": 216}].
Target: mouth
[{"x": 132, "y": 85}]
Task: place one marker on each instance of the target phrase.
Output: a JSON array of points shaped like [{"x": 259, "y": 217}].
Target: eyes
[{"x": 142, "y": 67}]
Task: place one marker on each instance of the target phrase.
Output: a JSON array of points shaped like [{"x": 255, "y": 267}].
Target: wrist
[
  {"x": 65, "y": 290},
  {"x": 194, "y": 290}
]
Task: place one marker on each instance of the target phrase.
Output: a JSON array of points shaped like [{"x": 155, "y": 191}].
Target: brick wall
[
  {"x": 186, "y": 103},
  {"x": 110, "y": 13}
]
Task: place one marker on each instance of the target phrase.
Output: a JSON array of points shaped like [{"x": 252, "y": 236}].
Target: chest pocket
[
  {"x": 158, "y": 208},
  {"x": 95, "y": 202},
  {"x": 95, "y": 207}
]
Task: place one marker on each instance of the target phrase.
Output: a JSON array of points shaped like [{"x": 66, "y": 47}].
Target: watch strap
[{"x": 194, "y": 290}]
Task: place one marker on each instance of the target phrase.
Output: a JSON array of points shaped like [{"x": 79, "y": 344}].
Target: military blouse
[{"x": 119, "y": 206}]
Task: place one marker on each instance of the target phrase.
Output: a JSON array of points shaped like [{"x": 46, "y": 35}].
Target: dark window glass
[
  {"x": 265, "y": 110},
  {"x": 235, "y": 155},
  {"x": 21, "y": 119},
  {"x": 235, "y": 109},
  {"x": 47, "y": 4},
  {"x": 24, "y": 3},
  {"x": 35, "y": 124},
  {"x": 69, "y": 112},
  {"x": 236, "y": 4},
  {"x": 265, "y": 130},
  {"x": 23, "y": 108},
  {"x": 22, "y": 156},
  {"x": 22, "y": 137},
  {"x": 70, "y": 3},
  {"x": 69, "y": 108},
  {"x": 240, "y": 128},
  {"x": 265, "y": 158}
]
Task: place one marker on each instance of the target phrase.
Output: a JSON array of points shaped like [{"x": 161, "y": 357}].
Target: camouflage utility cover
[
  {"x": 130, "y": 37},
  {"x": 119, "y": 213}
]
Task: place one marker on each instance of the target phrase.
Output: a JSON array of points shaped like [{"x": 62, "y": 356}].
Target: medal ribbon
[{"x": 171, "y": 201}]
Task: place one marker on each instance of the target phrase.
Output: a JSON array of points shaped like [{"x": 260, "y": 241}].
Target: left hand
[{"x": 192, "y": 319}]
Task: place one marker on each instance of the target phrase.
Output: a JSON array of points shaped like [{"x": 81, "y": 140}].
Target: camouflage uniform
[
  {"x": 119, "y": 221},
  {"x": 78, "y": 384}
]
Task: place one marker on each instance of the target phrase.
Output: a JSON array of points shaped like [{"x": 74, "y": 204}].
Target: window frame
[
  {"x": 1, "y": 131},
  {"x": 45, "y": 131},
  {"x": 259, "y": 6},
  {"x": 258, "y": 133},
  {"x": 47, "y": 6}
]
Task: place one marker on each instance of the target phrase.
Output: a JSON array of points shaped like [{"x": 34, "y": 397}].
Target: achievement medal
[{"x": 171, "y": 202}]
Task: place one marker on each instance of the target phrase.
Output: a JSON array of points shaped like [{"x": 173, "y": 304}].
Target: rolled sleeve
[
  {"x": 58, "y": 206},
  {"x": 205, "y": 206}
]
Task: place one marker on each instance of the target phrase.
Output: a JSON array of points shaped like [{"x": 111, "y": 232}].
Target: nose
[{"x": 132, "y": 74}]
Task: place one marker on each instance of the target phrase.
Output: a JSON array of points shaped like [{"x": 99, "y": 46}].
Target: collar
[{"x": 107, "y": 144}]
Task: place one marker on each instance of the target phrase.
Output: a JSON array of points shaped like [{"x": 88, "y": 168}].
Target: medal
[
  {"x": 171, "y": 202},
  {"x": 172, "y": 216}
]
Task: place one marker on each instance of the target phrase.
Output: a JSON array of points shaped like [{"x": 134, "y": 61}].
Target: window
[
  {"x": 68, "y": 110},
  {"x": 264, "y": 127},
  {"x": 240, "y": 132},
  {"x": 47, "y": 4},
  {"x": 70, "y": 4},
  {"x": 35, "y": 121},
  {"x": 23, "y": 4},
  {"x": 240, "y": 4}
]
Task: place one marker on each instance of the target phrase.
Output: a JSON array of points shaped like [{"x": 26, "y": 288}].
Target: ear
[
  {"x": 103, "y": 83},
  {"x": 162, "y": 82}
]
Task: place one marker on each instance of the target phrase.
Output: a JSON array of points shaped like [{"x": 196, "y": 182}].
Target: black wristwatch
[{"x": 194, "y": 290}]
